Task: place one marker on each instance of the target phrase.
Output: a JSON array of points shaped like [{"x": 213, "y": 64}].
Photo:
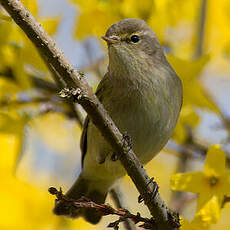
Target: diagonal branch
[{"x": 84, "y": 95}]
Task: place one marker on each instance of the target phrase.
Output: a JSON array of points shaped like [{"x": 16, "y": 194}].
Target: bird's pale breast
[{"x": 147, "y": 113}]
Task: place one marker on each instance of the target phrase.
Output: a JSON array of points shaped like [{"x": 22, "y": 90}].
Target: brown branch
[
  {"x": 84, "y": 95},
  {"x": 104, "y": 210}
]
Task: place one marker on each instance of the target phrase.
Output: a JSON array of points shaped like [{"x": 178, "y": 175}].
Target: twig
[
  {"x": 103, "y": 209},
  {"x": 182, "y": 165},
  {"x": 226, "y": 200},
  {"x": 201, "y": 29},
  {"x": 191, "y": 150},
  {"x": 38, "y": 82},
  {"x": 116, "y": 195},
  {"x": 61, "y": 83},
  {"x": 84, "y": 95},
  {"x": 177, "y": 196},
  {"x": 44, "y": 85},
  {"x": 199, "y": 53},
  {"x": 22, "y": 102}
]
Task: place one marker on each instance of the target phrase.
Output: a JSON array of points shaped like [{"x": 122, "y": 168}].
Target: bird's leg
[{"x": 127, "y": 142}]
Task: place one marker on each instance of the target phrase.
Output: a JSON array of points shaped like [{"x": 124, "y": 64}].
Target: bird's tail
[{"x": 83, "y": 187}]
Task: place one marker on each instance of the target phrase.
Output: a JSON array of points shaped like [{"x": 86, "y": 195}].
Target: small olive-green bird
[{"x": 143, "y": 95}]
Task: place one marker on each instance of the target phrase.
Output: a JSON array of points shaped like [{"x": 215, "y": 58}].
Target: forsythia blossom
[{"x": 212, "y": 185}]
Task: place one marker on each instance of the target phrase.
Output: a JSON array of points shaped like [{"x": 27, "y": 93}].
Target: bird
[{"x": 143, "y": 96}]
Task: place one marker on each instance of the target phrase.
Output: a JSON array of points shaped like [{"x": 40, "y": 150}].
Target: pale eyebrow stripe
[
  {"x": 142, "y": 32},
  {"x": 139, "y": 33}
]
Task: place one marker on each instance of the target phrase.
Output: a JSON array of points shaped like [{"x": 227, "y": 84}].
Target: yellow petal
[
  {"x": 180, "y": 134},
  {"x": 9, "y": 150},
  {"x": 215, "y": 161},
  {"x": 50, "y": 25},
  {"x": 5, "y": 28},
  {"x": 186, "y": 225},
  {"x": 28, "y": 51},
  {"x": 60, "y": 140},
  {"x": 194, "y": 94},
  {"x": 226, "y": 183},
  {"x": 4, "y": 17},
  {"x": 188, "y": 182},
  {"x": 209, "y": 212},
  {"x": 217, "y": 31},
  {"x": 7, "y": 87},
  {"x": 193, "y": 225},
  {"x": 188, "y": 70},
  {"x": 137, "y": 9},
  {"x": 188, "y": 116},
  {"x": 32, "y": 6},
  {"x": 21, "y": 200},
  {"x": 20, "y": 72}
]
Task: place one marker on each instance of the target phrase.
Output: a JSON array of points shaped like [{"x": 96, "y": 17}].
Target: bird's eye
[{"x": 135, "y": 38}]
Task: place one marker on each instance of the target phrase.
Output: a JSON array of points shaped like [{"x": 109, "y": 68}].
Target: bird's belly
[
  {"x": 140, "y": 124},
  {"x": 139, "y": 117}
]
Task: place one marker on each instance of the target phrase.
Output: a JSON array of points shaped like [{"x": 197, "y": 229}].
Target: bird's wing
[{"x": 83, "y": 141}]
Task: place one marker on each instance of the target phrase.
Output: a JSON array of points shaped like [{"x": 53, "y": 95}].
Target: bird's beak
[{"x": 110, "y": 40}]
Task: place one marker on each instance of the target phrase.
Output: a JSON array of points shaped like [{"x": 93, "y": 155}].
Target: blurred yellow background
[{"x": 39, "y": 137}]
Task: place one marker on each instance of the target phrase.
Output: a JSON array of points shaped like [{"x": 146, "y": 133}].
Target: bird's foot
[{"x": 154, "y": 192}]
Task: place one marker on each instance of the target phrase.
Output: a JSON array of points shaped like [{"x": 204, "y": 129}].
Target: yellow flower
[
  {"x": 193, "y": 225},
  {"x": 217, "y": 33},
  {"x": 212, "y": 185},
  {"x": 188, "y": 118},
  {"x": 194, "y": 94},
  {"x": 16, "y": 51}
]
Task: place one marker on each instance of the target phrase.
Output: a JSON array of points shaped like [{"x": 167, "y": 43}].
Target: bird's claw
[{"x": 154, "y": 193}]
